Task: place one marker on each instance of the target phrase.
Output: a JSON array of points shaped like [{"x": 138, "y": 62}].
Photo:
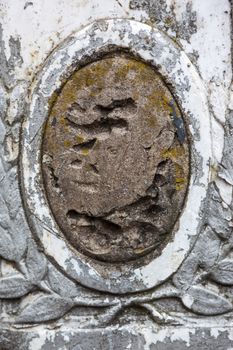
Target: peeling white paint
[
  {"x": 225, "y": 190},
  {"x": 205, "y": 58},
  {"x": 37, "y": 342},
  {"x": 218, "y": 140}
]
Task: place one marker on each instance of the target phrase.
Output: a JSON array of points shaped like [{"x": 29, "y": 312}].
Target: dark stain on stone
[
  {"x": 178, "y": 123},
  {"x": 27, "y": 4}
]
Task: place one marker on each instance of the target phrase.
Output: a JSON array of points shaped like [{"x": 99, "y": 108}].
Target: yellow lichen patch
[
  {"x": 173, "y": 153},
  {"x": 67, "y": 143},
  {"x": 100, "y": 70},
  {"x": 90, "y": 76},
  {"x": 80, "y": 139},
  {"x": 85, "y": 151},
  {"x": 63, "y": 121},
  {"x": 158, "y": 100},
  {"x": 93, "y": 77},
  {"x": 66, "y": 99},
  {"x": 179, "y": 177},
  {"x": 132, "y": 65},
  {"x": 169, "y": 105},
  {"x": 179, "y": 187},
  {"x": 166, "y": 103},
  {"x": 180, "y": 180}
]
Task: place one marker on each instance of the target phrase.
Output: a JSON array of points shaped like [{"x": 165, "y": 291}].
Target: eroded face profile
[{"x": 115, "y": 160}]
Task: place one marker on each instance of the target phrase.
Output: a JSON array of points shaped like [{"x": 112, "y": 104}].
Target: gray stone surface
[{"x": 53, "y": 296}]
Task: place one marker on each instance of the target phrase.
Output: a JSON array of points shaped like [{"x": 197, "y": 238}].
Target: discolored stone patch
[{"x": 115, "y": 160}]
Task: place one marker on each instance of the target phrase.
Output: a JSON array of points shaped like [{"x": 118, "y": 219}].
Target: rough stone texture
[
  {"x": 116, "y": 160},
  {"x": 162, "y": 14},
  {"x": 33, "y": 289},
  {"x": 132, "y": 338}
]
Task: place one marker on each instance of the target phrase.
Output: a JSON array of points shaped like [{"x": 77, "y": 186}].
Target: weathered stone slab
[{"x": 116, "y": 175}]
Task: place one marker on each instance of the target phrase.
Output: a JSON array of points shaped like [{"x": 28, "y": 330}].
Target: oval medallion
[{"x": 115, "y": 160}]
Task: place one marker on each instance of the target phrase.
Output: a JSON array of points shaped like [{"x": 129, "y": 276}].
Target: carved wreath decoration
[{"x": 203, "y": 283}]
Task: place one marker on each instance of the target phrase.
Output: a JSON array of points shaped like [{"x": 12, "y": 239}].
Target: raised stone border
[{"x": 151, "y": 46}]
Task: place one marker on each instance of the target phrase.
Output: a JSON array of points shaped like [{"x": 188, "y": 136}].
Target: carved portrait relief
[{"x": 115, "y": 160}]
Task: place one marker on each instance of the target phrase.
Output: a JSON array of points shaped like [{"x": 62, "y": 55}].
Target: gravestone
[{"x": 116, "y": 175}]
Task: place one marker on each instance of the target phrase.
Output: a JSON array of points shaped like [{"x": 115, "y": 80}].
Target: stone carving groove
[{"x": 115, "y": 160}]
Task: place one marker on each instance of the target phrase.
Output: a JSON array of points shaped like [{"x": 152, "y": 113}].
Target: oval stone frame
[{"x": 87, "y": 45}]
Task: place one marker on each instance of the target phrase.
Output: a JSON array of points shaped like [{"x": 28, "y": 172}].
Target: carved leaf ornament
[{"x": 100, "y": 120}]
